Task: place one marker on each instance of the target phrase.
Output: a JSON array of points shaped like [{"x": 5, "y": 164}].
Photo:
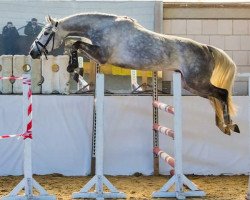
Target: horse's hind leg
[
  {"x": 207, "y": 91},
  {"x": 222, "y": 95}
]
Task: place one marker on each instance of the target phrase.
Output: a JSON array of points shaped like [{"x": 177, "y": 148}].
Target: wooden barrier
[
  {"x": 5, "y": 71},
  {"x": 56, "y": 77}
]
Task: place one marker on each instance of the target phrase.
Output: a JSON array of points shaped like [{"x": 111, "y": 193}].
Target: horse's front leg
[
  {"x": 93, "y": 52},
  {"x": 73, "y": 60}
]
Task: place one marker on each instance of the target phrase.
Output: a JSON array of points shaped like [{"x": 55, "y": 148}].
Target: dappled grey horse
[{"x": 119, "y": 40}]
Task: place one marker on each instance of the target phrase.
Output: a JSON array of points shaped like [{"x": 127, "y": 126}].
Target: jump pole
[
  {"x": 178, "y": 179},
  {"x": 99, "y": 180},
  {"x": 28, "y": 182}
]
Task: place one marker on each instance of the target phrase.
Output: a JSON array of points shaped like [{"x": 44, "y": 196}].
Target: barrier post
[
  {"x": 178, "y": 179},
  {"x": 27, "y": 121},
  {"x": 178, "y": 133},
  {"x": 247, "y": 75},
  {"x": 27, "y": 183},
  {"x": 99, "y": 180},
  {"x": 99, "y": 99}
]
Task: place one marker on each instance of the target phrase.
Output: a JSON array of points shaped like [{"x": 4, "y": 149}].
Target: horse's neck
[{"x": 84, "y": 25}]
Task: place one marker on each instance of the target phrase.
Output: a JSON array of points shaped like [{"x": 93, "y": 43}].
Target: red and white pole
[
  {"x": 27, "y": 130},
  {"x": 164, "y": 130},
  {"x": 164, "y": 107},
  {"x": 167, "y": 158}
]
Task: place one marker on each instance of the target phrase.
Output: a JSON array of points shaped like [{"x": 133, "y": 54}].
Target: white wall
[
  {"x": 63, "y": 127},
  {"x": 19, "y": 12}
]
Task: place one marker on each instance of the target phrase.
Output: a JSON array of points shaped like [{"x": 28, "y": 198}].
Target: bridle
[{"x": 44, "y": 49}]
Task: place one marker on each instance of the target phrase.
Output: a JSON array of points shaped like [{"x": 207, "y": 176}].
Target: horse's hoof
[
  {"x": 234, "y": 128},
  {"x": 225, "y": 129},
  {"x": 76, "y": 77}
]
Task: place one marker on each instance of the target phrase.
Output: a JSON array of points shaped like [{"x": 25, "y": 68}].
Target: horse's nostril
[{"x": 32, "y": 54}]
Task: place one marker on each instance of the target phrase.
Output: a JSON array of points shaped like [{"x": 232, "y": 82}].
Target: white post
[
  {"x": 178, "y": 130},
  {"x": 247, "y": 75},
  {"x": 99, "y": 101},
  {"x": 133, "y": 79},
  {"x": 178, "y": 179},
  {"x": 135, "y": 87},
  {"x": 99, "y": 180}
]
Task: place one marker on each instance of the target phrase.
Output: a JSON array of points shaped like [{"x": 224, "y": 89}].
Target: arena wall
[{"x": 226, "y": 26}]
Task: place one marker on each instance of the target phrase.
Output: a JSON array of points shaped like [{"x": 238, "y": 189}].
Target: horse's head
[{"x": 48, "y": 39}]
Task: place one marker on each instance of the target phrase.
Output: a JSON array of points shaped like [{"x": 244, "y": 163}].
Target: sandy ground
[{"x": 138, "y": 187}]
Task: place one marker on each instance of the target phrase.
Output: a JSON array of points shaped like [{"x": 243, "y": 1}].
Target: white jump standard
[
  {"x": 178, "y": 179},
  {"x": 99, "y": 180},
  {"x": 27, "y": 182}
]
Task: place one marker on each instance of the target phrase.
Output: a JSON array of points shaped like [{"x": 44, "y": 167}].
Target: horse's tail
[{"x": 223, "y": 77}]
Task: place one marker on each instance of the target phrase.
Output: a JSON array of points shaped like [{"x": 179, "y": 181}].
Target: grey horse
[{"x": 120, "y": 40}]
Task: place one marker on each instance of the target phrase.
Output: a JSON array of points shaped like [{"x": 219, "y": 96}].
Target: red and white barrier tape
[
  {"x": 165, "y": 107},
  {"x": 23, "y": 135},
  {"x": 10, "y": 78},
  {"x": 28, "y": 133}
]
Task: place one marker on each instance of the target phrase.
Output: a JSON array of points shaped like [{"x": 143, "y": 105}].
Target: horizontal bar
[
  {"x": 167, "y": 158},
  {"x": 164, "y": 107},
  {"x": 243, "y": 75},
  {"x": 10, "y": 78},
  {"x": 164, "y": 130}
]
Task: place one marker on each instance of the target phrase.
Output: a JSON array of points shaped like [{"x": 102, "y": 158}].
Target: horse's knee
[{"x": 73, "y": 61}]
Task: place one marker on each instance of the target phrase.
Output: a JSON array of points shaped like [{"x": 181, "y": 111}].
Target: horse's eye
[{"x": 46, "y": 33}]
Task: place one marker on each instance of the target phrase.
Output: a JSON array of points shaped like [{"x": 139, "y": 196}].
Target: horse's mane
[{"x": 97, "y": 14}]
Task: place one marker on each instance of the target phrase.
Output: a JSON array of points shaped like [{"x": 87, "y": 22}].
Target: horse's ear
[
  {"x": 47, "y": 19},
  {"x": 50, "y": 20}
]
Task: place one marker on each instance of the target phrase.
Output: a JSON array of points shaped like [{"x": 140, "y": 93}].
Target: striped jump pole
[
  {"x": 27, "y": 183},
  {"x": 178, "y": 179},
  {"x": 164, "y": 130},
  {"x": 164, "y": 107},
  {"x": 167, "y": 158}
]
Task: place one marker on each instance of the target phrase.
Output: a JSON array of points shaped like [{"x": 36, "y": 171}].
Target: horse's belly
[{"x": 129, "y": 61}]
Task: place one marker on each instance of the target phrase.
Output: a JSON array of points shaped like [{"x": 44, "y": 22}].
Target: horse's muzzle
[{"x": 34, "y": 54}]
